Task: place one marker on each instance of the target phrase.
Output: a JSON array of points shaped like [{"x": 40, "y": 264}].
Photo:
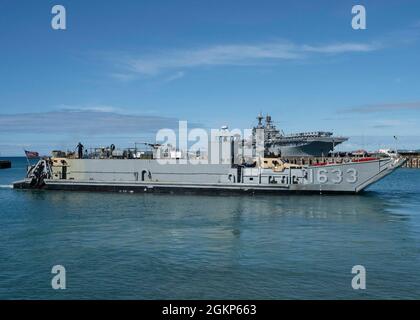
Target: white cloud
[
  {"x": 237, "y": 54},
  {"x": 342, "y": 48},
  {"x": 176, "y": 76},
  {"x": 124, "y": 77},
  {"x": 89, "y": 107},
  {"x": 389, "y": 123},
  {"x": 82, "y": 122},
  {"x": 372, "y": 108}
]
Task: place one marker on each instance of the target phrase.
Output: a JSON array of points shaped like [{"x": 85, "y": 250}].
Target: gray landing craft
[
  {"x": 114, "y": 171},
  {"x": 303, "y": 144}
]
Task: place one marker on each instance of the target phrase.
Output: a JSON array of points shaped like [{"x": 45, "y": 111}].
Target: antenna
[{"x": 396, "y": 144}]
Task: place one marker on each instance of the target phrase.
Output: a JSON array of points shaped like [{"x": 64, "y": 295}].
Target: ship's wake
[{"x": 6, "y": 186}]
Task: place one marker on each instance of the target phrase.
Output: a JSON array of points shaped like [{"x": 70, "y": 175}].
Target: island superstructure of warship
[{"x": 227, "y": 169}]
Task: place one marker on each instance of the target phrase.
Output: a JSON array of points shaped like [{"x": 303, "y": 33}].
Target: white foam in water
[{"x": 6, "y": 186}]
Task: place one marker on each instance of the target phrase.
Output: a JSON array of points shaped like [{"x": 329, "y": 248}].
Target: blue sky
[{"x": 123, "y": 69}]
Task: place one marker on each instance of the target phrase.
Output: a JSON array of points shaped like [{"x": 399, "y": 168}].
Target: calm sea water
[{"x": 128, "y": 246}]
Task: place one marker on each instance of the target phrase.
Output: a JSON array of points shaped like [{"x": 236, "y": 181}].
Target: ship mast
[{"x": 260, "y": 118}]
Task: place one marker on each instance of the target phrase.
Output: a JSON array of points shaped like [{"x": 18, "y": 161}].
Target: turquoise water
[{"x": 131, "y": 246}]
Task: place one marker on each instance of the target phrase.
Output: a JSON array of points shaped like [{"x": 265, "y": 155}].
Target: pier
[
  {"x": 5, "y": 164},
  {"x": 413, "y": 159}
]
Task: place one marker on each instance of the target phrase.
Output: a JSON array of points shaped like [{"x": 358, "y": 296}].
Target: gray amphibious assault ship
[
  {"x": 302, "y": 144},
  {"x": 170, "y": 171}
]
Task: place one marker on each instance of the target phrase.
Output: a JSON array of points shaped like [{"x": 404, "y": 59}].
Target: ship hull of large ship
[{"x": 308, "y": 149}]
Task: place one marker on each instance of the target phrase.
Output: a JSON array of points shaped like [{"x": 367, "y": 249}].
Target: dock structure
[
  {"x": 5, "y": 164},
  {"x": 413, "y": 159}
]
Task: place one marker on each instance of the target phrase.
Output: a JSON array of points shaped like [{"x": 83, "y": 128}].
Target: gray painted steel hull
[
  {"x": 310, "y": 149},
  {"x": 315, "y": 148},
  {"x": 132, "y": 176}
]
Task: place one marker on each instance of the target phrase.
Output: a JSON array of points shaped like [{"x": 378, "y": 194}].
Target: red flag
[{"x": 31, "y": 154}]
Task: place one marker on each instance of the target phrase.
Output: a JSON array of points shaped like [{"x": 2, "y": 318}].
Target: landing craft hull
[
  {"x": 180, "y": 189},
  {"x": 134, "y": 176}
]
